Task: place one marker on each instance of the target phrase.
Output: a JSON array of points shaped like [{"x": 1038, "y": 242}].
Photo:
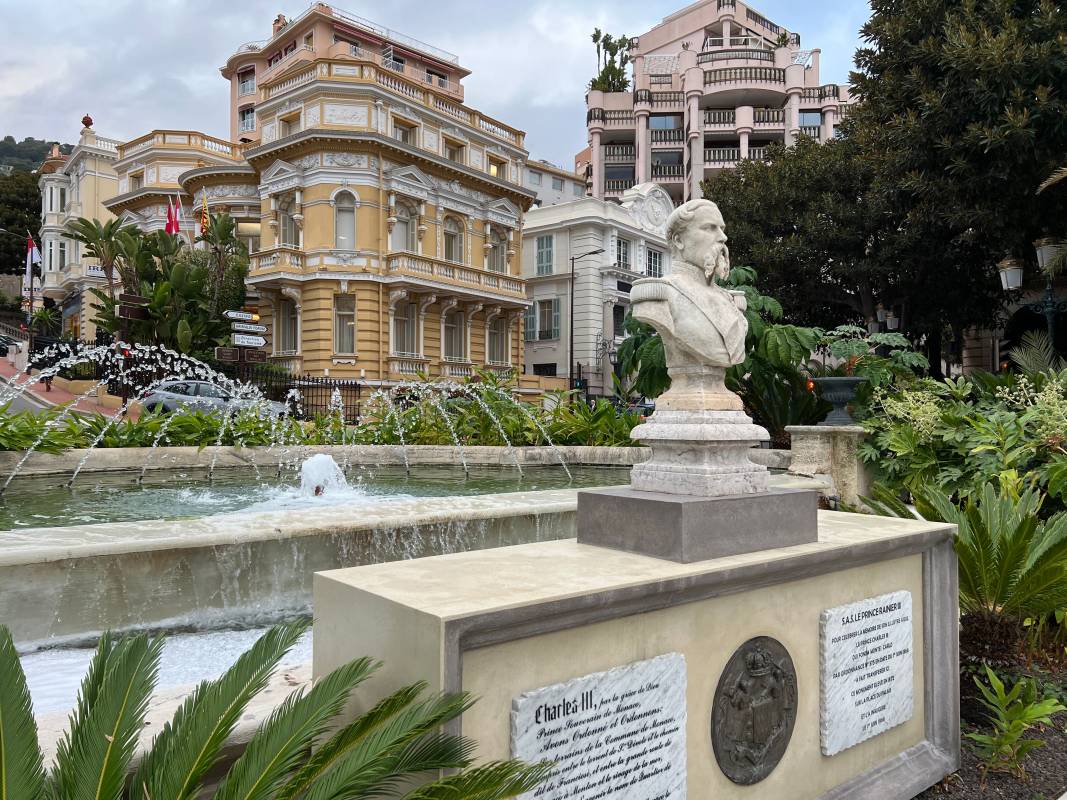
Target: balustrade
[
  {"x": 744, "y": 75},
  {"x": 811, "y": 130},
  {"x": 667, "y": 98},
  {"x": 768, "y": 116},
  {"x": 720, "y": 117},
  {"x": 618, "y": 184},
  {"x": 619, "y": 152},
  {"x": 666, "y": 170},
  {"x": 736, "y": 54},
  {"x": 721, "y": 155},
  {"x": 667, "y": 135}
]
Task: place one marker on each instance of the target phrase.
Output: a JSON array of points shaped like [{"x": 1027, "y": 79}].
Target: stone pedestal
[
  {"x": 831, "y": 453},
  {"x": 686, "y": 529},
  {"x": 659, "y": 660},
  {"x": 700, "y": 438}
]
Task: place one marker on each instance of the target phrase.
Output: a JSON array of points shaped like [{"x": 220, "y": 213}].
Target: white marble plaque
[
  {"x": 866, "y": 670},
  {"x": 617, "y": 734}
]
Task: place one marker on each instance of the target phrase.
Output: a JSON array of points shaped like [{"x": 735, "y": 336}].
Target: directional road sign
[
  {"x": 244, "y": 316},
  {"x": 244, "y": 340},
  {"x": 248, "y": 327}
]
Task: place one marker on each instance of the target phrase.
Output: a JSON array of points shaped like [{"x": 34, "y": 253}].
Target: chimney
[{"x": 279, "y": 22}]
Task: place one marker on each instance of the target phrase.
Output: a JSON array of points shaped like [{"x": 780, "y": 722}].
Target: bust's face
[{"x": 703, "y": 236}]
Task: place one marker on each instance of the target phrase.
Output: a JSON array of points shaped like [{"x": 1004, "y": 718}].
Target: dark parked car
[{"x": 202, "y": 395}]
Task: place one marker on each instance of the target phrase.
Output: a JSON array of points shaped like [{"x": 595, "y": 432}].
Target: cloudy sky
[{"x": 135, "y": 66}]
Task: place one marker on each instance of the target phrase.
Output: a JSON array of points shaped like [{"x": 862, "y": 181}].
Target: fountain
[{"x": 320, "y": 475}]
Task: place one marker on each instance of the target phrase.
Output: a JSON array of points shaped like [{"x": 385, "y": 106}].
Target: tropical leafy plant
[
  {"x": 1011, "y": 714},
  {"x": 101, "y": 241},
  {"x": 611, "y": 69},
  {"x": 297, "y": 753},
  {"x": 856, "y": 352}
]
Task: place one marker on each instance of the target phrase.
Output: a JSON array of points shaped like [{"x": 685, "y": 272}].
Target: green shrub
[
  {"x": 293, "y": 753},
  {"x": 1012, "y": 714}
]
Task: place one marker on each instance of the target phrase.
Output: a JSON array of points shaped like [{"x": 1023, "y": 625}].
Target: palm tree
[
  {"x": 290, "y": 756},
  {"x": 220, "y": 236},
  {"x": 100, "y": 241},
  {"x": 597, "y": 34}
]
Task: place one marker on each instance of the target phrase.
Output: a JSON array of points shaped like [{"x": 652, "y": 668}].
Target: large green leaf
[{"x": 21, "y": 762}]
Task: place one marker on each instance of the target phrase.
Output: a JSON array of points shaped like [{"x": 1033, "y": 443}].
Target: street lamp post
[
  {"x": 29, "y": 313},
  {"x": 570, "y": 317},
  {"x": 1011, "y": 278}
]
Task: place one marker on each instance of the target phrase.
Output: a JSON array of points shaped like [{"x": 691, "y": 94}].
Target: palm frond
[
  {"x": 21, "y": 762},
  {"x": 1054, "y": 178},
  {"x": 94, "y": 755},
  {"x": 498, "y": 779},
  {"x": 363, "y": 758},
  {"x": 1035, "y": 354},
  {"x": 189, "y": 744},
  {"x": 278, "y": 746}
]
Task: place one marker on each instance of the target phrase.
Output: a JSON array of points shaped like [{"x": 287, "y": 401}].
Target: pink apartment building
[{"x": 713, "y": 84}]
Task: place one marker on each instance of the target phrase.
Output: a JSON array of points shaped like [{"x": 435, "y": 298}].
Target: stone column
[
  {"x": 597, "y": 157},
  {"x": 831, "y": 453},
  {"x": 792, "y": 117},
  {"x": 829, "y": 117},
  {"x": 743, "y": 136},
  {"x": 641, "y": 146}
]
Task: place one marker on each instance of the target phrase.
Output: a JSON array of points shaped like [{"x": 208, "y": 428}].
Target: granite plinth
[{"x": 686, "y": 528}]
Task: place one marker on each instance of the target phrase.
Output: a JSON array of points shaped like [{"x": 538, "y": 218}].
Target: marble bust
[{"x": 699, "y": 433}]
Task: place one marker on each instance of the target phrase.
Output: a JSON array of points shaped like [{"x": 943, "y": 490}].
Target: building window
[
  {"x": 544, "y": 254},
  {"x": 529, "y": 323},
  {"x": 286, "y": 327},
  {"x": 548, "y": 319},
  {"x": 810, "y": 119},
  {"x": 288, "y": 233},
  {"x": 618, "y": 319},
  {"x": 246, "y": 82},
  {"x": 289, "y": 125},
  {"x": 405, "y": 330},
  {"x": 496, "y": 168},
  {"x": 453, "y": 240},
  {"x": 403, "y": 236},
  {"x": 62, "y": 198},
  {"x": 246, "y": 119},
  {"x": 557, "y": 184},
  {"x": 136, "y": 181},
  {"x": 403, "y": 132},
  {"x": 653, "y": 263},
  {"x": 436, "y": 78},
  {"x": 579, "y": 190},
  {"x": 545, "y": 370},
  {"x": 498, "y": 254},
  {"x": 61, "y": 248},
  {"x": 498, "y": 342},
  {"x": 622, "y": 253},
  {"x": 345, "y": 221},
  {"x": 454, "y": 344},
  {"x": 535, "y": 178},
  {"x": 344, "y": 323},
  {"x": 309, "y": 40},
  {"x": 455, "y": 152}
]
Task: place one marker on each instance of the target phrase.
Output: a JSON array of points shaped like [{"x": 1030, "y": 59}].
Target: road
[{"x": 25, "y": 402}]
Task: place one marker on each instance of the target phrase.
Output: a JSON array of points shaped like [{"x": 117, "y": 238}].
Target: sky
[{"x": 136, "y": 66}]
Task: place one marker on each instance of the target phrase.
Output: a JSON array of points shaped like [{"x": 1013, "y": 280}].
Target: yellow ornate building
[{"x": 383, "y": 215}]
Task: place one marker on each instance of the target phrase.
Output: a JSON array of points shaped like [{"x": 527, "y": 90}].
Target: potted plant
[{"x": 858, "y": 362}]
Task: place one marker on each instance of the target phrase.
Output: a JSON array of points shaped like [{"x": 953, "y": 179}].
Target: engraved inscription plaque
[{"x": 754, "y": 710}]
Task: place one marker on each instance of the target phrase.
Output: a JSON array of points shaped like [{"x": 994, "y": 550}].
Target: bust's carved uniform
[{"x": 699, "y": 323}]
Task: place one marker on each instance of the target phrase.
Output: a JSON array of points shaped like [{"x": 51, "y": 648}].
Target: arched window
[
  {"x": 288, "y": 234},
  {"x": 344, "y": 221},
  {"x": 453, "y": 240},
  {"x": 498, "y": 257},
  {"x": 403, "y": 236}
]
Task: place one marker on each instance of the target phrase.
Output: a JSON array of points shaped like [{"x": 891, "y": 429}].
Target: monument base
[{"x": 685, "y": 529}]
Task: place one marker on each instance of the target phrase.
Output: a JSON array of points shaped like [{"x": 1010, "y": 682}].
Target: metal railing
[
  {"x": 618, "y": 184},
  {"x": 720, "y": 117},
  {"x": 739, "y": 54},
  {"x": 829, "y": 91},
  {"x": 759, "y": 19},
  {"x": 667, "y": 98},
  {"x": 619, "y": 152},
  {"x": 667, "y": 170},
  {"x": 667, "y": 134}
]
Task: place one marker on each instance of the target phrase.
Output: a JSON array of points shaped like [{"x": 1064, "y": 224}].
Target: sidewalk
[{"x": 57, "y": 397}]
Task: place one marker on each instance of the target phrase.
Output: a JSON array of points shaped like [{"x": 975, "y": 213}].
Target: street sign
[
  {"x": 244, "y": 340},
  {"x": 227, "y": 354},
  {"x": 244, "y": 316},
  {"x": 248, "y": 327},
  {"x": 133, "y": 312},
  {"x": 133, "y": 300},
  {"x": 254, "y": 356}
]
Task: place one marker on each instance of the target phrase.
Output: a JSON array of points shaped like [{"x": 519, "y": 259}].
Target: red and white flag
[
  {"x": 179, "y": 214},
  {"x": 33, "y": 256},
  {"x": 171, "y": 226}
]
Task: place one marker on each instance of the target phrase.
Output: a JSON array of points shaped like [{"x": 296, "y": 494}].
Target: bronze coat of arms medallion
[{"x": 754, "y": 710}]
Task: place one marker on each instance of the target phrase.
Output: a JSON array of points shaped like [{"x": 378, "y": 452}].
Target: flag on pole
[
  {"x": 33, "y": 256},
  {"x": 204, "y": 216},
  {"x": 179, "y": 213},
  {"x": 171, "y": 222}
]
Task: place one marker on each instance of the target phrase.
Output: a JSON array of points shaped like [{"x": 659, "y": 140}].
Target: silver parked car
[{"x": 204, "y": 396}]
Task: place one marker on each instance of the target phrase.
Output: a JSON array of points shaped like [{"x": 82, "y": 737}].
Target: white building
[
  {"x": 552, "y": 184},
  {"x": 632, "y": 238}
]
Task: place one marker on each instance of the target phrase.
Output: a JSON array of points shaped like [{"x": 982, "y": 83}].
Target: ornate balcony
[
  {"x": 668, "y": 98},
  {"x": 408, "y": 365},
  {"x": 619, "y": 153},
  {"x": 667, "y": 172},
  {"x": 736, "y": 54},
  {"x": 180, "y": 140},
  {"x": 769, "y": 117},
  {"x": 720, "y": 118},
  {"x": 456, "y": 367},
  {"x": 458, "y": 275},
  {"x": 277, "y": 259},
  {"x": 744, "y": 75},
  {"x": 813, "y": 131},
  {"x": 667, "y": 136}
]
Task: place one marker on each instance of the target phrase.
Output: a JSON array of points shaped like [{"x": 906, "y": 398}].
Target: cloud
[{"x": 137, "y": 66}]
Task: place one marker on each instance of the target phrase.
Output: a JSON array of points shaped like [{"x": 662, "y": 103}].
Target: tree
[
  {"x": 28, "y": 154},
  {"x": 220, "y": 236},
  {"x": 611, "y": 76},
  {"x": 20, "y": 213},
  {"x": 102, "y": 242},
  {"x": 963, "y": 116}
]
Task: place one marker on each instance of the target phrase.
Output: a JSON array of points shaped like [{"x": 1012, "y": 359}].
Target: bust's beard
[{"x": 717, "y": 263}]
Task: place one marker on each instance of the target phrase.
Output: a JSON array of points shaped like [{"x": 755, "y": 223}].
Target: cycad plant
[{"x": 290, "y": 757}]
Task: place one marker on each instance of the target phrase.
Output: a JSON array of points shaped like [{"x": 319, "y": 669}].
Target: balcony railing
[
  {"x": 618, "y": 117},
  {"x": 667, "y": 170},
  {"x": 455, "y": 274},
  {"x": 720, "y": 117},
  {"x": 191, "y": 140},
  {"x": 810, "y": 130},
  {"x": 667, "y": 98},
  {"x": 619, "y": 152},
  {"x": 830, "y": 91},
  {"x": 459, "y": 368},
  {"x": 744, "y": 75},
  {"x": 768, "y": 116},
  {"x": 618, "y": 184},
  {"x": 409, "y": 364},
  {"x": 655, "y": 80},
  {"x": 281, "y": 257},
  {"x": 731, "y": 155},
  {"x": 727, "y": 4},
  {"x": 759, "y": 19},
  {"x": 735, "y": 54},
  {"x": 667, "y": 135}
]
